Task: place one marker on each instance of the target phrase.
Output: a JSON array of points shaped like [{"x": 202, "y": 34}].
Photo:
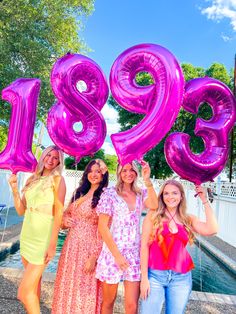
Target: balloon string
[
  {"x": 75, "y": 181},
  {"x": 6, "y": 216},
  {"x": 200, "y": 264},
  {"x": 200, "y": 251}
]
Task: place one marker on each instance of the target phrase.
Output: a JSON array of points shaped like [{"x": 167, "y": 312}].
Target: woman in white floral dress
[{"x": 119, "y": 211}]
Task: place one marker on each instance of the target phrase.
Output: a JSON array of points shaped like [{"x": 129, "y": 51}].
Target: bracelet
[
  {"x": 149, "y": 184},
  {"x": 205, "y": 202}
]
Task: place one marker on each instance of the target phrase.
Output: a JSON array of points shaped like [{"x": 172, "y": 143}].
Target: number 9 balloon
[
  {"x": 160, "y": 102},
  {"x": 199, "y": 168}
]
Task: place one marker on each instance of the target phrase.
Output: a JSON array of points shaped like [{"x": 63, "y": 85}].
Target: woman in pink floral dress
[
  {"x": 76, "y": 288},
  {"x": 119, "y": 212}
]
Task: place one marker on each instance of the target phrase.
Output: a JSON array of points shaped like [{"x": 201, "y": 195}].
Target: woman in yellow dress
[{"x": 42, "y": 206}]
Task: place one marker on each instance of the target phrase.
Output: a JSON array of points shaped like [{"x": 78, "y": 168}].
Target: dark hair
[{"x": 85, "y": 185}]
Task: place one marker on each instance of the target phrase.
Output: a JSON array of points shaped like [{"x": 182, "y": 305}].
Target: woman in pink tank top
[{"x": 165, "y": 262}]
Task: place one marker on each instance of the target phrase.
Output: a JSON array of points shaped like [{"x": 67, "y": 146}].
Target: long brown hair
[
  {"x": 85, "y": 185},
  {"x": 157, "y": 217}
]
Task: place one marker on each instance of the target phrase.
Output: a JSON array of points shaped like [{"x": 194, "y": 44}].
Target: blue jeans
[{"x": 169, "y": 286}]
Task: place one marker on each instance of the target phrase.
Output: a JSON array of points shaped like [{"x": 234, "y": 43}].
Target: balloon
[
  {"x": 22, "y": 94},
  {"x": 74, "y": 106},
  {"x": 160, "y": 102},
  {"x": 199, "y": 168}
]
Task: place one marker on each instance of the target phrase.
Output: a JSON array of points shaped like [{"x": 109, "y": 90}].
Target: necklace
[{"x": 173, "y": 228}]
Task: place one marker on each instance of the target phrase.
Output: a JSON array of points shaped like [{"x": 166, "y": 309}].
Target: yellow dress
[{"x": 38, "y": 221}]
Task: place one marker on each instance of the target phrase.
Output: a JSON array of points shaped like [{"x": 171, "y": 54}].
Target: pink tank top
[{"x": 171, "y": 254}]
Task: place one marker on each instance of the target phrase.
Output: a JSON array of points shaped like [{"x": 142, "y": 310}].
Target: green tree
[
  {"x": 185, "y": 121},
  {"x": 110, "y": 160},
  {"x": 3, "y": 137},
  {"x": 33, "y": 34},
  {"x": 70, "y": 162}
]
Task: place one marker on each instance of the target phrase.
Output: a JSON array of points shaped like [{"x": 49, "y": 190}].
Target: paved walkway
[{"x": 200, "y": 303}]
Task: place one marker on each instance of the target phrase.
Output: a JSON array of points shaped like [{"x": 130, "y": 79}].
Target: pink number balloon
[
  {"x": 22, "y": 94},
  {"x": 204, "y": 167},
  {"x": 74, "y": 106},
  {"x": 160, "y": 102}
]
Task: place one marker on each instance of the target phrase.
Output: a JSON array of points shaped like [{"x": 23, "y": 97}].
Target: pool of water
[
  {"x": 209, "y": 275},
  {"x": 11, "y": 219},
  {"x": 13, "y": 260}
]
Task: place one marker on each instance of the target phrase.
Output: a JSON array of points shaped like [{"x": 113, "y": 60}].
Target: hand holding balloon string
[
  {"x": 201, "y": 192},
  {"x": 146, "y": 172}
]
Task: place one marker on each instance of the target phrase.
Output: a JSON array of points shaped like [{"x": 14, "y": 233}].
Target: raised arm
[
  {"x": 59, "y": 198},
  {"x": 151, "y": 201},
  {"x": 146, "y": 232},
  {"x": 19, "y": 203},
  {"x": 210, "y": 226}
]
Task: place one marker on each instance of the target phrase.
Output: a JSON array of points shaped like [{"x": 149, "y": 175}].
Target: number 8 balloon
[
  {"x": 160, "y": 102},
  {"x": 74, "y": 106},
  {"x": 199, "y": 168}
]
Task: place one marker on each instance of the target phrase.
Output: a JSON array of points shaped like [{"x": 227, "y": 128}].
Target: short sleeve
[{"x": 105, "y": 204}]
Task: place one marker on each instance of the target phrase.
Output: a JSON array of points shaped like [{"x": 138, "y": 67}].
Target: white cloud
[
  {"x": 111, "y": 116},
  {"x": 109, "y": 149},
  {"x": 226, "y": 38},
  {"x": 219, "y": 9}
]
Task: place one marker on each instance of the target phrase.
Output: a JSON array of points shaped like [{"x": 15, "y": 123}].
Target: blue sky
[
  {"x": 196, "y": 32},
  {"x": 180, "y": 26}
]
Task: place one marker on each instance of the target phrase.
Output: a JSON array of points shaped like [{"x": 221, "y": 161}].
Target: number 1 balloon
[
  {"x": 22, "y": 94},
  {"x": 160, "y": 102},
  {"x": 199, "y": 168}
]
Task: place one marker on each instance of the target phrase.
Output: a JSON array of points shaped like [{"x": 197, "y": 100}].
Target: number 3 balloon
[{"x": 215, "y": 132}]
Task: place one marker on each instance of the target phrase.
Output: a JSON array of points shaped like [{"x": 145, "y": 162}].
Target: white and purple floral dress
[{"x": 125, "y": 230}]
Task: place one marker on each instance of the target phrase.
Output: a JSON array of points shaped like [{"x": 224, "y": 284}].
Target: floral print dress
[
  {"x": 125, "y": 230},
  {"x": 76, "y": 291}
]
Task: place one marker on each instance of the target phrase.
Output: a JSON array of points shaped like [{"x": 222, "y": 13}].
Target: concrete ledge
[{"x": 224, "y": 259}]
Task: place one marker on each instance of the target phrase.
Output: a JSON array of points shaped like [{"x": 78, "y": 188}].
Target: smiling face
[
  {"x": 51, "y": 160},
  {"x": 171, "y": 196},
  {"x": 95, "y": 175},
  {"x": 128, "y": 174}
]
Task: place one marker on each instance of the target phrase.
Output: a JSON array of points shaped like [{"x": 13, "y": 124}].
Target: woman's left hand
[
  {"x": 146, "y": 171},
  {"x": 49, "y": 254},
  {"x": 90, "y": 264},
  {"x": 201, "y": 192}
]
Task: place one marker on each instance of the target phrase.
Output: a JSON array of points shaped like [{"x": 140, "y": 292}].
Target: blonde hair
[
  {"x": 159, "y": 214},
  {"x": 120, "y": 183},
  {"x": 40, "y": 167}
]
